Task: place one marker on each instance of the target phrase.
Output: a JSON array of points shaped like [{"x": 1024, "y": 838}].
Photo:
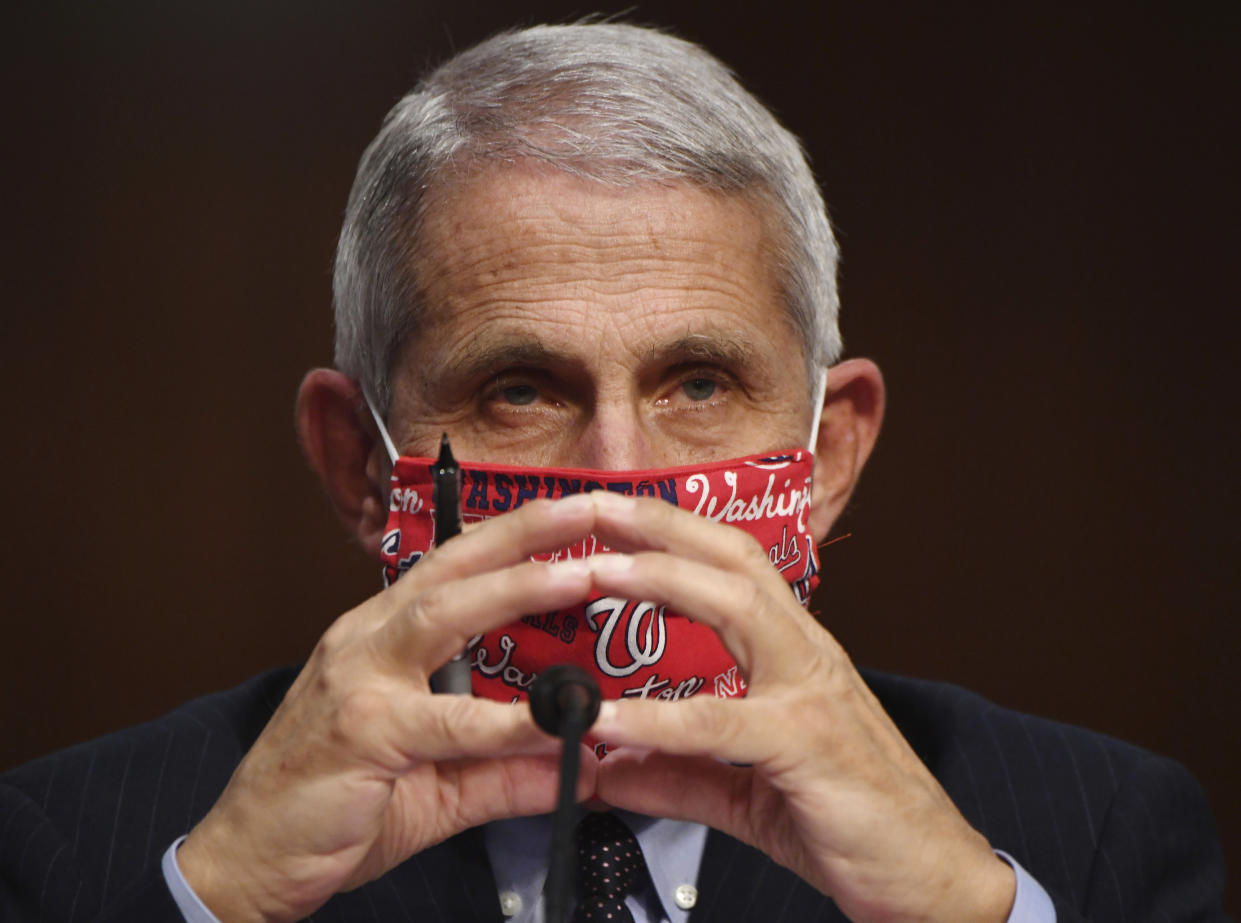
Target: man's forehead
[
  {"x": 505, "y": 223},
  {"x": 520, "y": 225}
]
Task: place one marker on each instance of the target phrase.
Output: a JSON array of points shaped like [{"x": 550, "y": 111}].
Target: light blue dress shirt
[{"x": 672, "y": 850}]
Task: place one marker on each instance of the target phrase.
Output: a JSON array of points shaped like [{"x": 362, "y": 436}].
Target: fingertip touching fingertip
[
  {"x": 570, "y": 569},
  {"x": 573, "y": 505},
  {"x": 610, "y": 563},
  {"x": 606, "y": 501}
]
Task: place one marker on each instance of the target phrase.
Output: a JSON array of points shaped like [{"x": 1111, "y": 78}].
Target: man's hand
[
  {"x": 361, "y": 766},
  {"x": 826, "y": 783}
]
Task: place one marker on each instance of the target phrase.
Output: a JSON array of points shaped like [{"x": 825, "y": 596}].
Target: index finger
[
  {"x": 537, "y": 527},
  {"x": 630, "y": 524}
]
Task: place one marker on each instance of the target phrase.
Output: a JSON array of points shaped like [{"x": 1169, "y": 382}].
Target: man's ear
[
  {"x": 849, "y": 425},
  {"x": 343, "y": 447}
]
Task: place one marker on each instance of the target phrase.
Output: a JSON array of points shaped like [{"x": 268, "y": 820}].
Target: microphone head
[{"x": 562, "y": 693}]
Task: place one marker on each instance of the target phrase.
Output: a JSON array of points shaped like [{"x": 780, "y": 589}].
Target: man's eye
[
  {"x": 699, "y": 389},
  {"x": 519, "y": 394}
]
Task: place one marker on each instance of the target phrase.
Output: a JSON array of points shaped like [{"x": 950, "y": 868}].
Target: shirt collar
[{"x": 672, "y": 849}]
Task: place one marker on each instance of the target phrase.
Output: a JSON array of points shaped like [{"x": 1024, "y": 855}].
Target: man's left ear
[{"x": 848, "y": 427}]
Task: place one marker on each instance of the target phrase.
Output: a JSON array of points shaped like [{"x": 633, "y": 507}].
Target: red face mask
[{"x": 633, "y": 648}]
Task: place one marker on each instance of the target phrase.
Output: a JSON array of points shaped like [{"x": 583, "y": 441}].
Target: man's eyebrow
[
  {"x": 715, "y": 348},
  {"x": 487, "y": 357}
]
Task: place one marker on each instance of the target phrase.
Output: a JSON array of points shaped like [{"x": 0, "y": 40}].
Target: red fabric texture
[{"x": 633, "y": 648}]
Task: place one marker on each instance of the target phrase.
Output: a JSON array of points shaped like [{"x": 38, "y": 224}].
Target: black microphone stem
[
  {"x": 560, "y": 866},
  {"x": 564, "y": 700}
]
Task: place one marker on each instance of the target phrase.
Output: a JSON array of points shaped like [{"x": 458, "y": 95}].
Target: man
[{"x": 586, "y": 249}]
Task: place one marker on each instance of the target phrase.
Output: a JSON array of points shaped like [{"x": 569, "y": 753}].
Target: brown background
[{"x": 1038, "y": 212}]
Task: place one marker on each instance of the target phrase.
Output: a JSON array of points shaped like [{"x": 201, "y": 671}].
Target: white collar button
[
  {"x": 686, "y": 896},
  {"x": 510, "y": 903}
]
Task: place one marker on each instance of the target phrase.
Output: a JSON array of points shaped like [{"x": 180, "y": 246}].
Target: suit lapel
[
  {"x": 448, "y": 883},
  {"x": 459, "y": 874},
  {"x": 738, "y": 883}
]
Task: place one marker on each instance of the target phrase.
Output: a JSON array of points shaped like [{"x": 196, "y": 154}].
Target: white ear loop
[
  {"x": 820, "y": 391},
  {"x": 383, "y": 430}
]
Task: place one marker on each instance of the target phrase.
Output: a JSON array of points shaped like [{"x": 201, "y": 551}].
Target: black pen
[{"x": 454, "y": 676}]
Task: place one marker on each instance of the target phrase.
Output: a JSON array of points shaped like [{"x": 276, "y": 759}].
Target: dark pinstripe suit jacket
[{"x": 1112, "y": 832}]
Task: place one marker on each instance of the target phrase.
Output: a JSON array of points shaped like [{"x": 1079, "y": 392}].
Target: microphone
[
  {"x": 564, "y": 701},
  {"x": 562, "y": 698}
]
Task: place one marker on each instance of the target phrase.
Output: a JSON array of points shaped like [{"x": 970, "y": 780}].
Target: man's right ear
[{"x": 343, "y": 447}]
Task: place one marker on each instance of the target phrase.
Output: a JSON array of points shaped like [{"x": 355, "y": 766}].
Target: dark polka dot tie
[{"x": 609, "y": 862}]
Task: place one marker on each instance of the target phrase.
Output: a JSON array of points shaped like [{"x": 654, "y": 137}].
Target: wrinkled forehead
[{"x": 517, "y": 238}]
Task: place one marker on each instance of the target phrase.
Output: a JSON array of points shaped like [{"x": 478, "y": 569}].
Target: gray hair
[{"x": 614, "y": 103}]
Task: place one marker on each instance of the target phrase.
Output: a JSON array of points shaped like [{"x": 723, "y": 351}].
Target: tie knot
[{"x": 609, "y": 862}]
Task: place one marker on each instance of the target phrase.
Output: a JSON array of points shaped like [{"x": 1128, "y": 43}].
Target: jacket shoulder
[
  {"x": 84, "y": 823},
  {"x": 1101, "y": 823}
]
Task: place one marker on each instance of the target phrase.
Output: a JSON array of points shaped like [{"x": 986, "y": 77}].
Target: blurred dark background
[{"x": 1037, "y": 205}]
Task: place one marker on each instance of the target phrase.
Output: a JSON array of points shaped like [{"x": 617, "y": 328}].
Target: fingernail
[
  {"x": 573, "y": 505},
  {"x": 607, "y": 501},
  {"x": 607, "y": 713},
  {"x": 610, "y": 563},
  {"x": 572, "y": 569}
]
